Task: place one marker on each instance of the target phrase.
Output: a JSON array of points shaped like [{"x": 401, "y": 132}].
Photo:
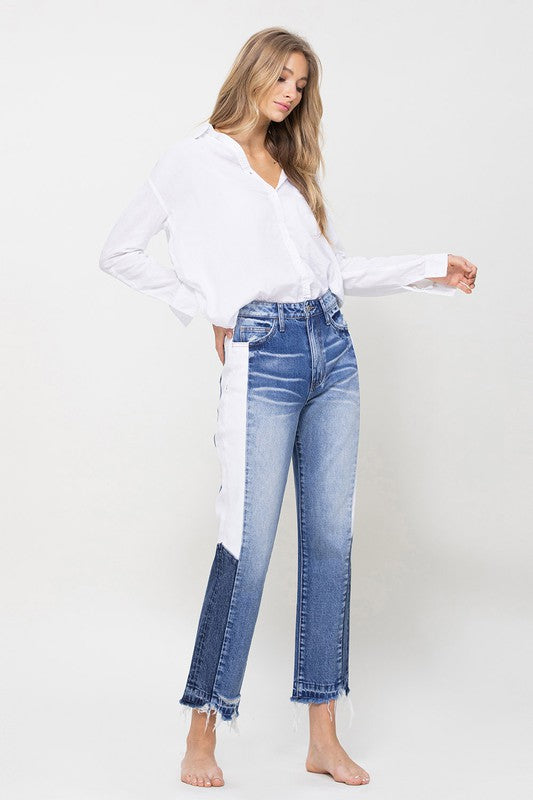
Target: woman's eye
[{"x": 299, "y": 88}]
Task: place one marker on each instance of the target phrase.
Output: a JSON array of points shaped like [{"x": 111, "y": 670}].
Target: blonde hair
[{"x": 295, "y": 143}]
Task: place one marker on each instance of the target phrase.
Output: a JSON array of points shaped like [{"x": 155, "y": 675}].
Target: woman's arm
[
  {"x": 123, "y": 255},
  {"x": 382, "y": 275}
]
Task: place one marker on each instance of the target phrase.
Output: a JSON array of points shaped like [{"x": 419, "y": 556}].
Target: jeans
[{"x": 289, "y": 388}]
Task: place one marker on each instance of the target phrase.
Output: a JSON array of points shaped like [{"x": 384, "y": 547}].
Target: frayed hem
[
  {"x": 208, "y": 709},
  {"x": 341, "y": 695}
]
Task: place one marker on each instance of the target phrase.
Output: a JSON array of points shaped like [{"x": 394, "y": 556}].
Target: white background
[{"x": 109, "y": 470}]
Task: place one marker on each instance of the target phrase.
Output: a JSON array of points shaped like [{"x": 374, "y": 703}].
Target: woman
[{"x": 255, "y": 252}]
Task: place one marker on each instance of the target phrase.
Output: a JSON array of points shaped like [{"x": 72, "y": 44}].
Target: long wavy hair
[{"x": 295, "y": 143}]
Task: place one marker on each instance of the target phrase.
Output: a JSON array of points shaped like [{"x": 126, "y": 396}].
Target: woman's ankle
[{"x": 202, "y": 727}]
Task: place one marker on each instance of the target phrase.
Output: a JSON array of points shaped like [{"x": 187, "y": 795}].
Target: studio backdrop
[{"x": 109, "y": 469}]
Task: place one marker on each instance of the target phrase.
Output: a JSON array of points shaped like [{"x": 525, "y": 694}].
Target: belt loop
[
  {"x": 281, "y": 318},
  {"x": 326, "y": 311}
]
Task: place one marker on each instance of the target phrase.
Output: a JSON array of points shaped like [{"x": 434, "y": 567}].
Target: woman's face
[{"x": 288, "y": 90}]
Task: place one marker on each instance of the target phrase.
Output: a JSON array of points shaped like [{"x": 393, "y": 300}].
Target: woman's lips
[{"x": 285, "y": 107}]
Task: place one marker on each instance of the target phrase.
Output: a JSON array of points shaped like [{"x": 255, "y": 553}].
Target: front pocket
[
  {"x": 253, "y": 330},
  {"x": 337, "y": 320}
]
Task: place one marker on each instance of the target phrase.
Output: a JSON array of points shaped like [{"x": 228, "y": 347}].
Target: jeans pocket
[
  {"x": 253, "y": 330},
  {"x": 337, "y": 320}
]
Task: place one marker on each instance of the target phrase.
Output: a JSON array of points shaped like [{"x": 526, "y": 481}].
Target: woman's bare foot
[
  {"x": 326, "y": 754},
  {"x": 199, "y": 766}
]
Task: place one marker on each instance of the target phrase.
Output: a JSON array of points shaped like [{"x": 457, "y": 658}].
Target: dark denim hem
[
  {"x": 199, "y": 699},
  {"x": 317, "y": 693}
]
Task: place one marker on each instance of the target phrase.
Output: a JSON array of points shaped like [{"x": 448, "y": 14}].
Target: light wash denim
[{"x": 289, "y": 388}]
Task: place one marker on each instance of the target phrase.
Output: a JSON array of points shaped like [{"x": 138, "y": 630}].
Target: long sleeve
[
  {"x": 382, "y": 275},
  {"x": 123, "y": 255}
]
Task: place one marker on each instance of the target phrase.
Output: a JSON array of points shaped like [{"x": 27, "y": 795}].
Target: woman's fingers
[
  {"x": 470, "y": 275},
  {"x": 220, "y": 335},
  {"x": 472, "y": 269},
  {"x": 466, "y": 273},
  {"x": 219, "y": 341},
  {"x": 467, "y": 282}
]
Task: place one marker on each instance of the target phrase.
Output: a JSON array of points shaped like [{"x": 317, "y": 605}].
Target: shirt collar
[{"x": 230, "y": 142}]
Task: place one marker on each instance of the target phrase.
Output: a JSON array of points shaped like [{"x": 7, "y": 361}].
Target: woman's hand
[
  {"x": 220, "y": 335},
  {"x": 461, "y": 274}
]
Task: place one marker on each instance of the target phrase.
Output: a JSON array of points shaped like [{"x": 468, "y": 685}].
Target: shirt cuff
[
  {"x": 184, "y": 305},
  {"x": 435, "y": 266}
]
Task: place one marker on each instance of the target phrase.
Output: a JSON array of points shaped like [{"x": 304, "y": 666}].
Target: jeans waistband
[{"x": 328, "y": 302}]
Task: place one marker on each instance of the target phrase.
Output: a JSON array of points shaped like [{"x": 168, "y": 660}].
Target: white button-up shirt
[{"x": 233, "y": 238}]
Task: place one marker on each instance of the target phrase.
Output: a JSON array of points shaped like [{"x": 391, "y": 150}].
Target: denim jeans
[{"x": 289, "y": 388}]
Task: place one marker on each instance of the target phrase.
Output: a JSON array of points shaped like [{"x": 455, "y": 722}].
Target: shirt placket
[{"x": 300, "y": 267}]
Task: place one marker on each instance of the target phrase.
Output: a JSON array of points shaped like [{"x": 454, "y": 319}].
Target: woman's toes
[
  {"x": 200, "y": 781},
  {"x": 217, "y": 781}
]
